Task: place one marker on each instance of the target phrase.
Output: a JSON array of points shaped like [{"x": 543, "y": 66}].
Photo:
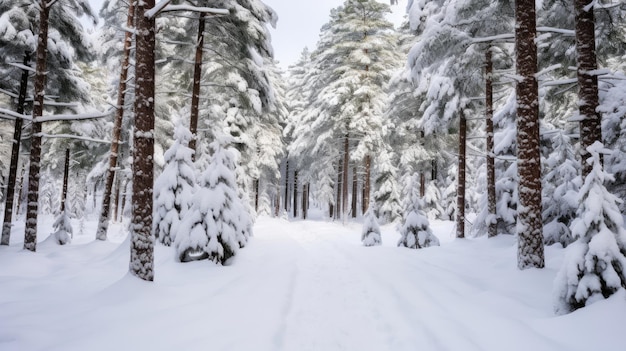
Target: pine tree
[
  {"x": 174, "y": 187},
  {"x": 370, "y": 235},
  {"x": 63, "y": 231},
  {"x": 595, "y": 264},
  {"x": 214, "y": 226},
  {"x": 415, "y": 232}
]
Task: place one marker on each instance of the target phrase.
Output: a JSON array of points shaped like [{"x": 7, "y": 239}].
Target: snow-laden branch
[
  {"x": 548, "y": 70},
  {"x": 566, "y": 32},
  {"x": 6, "y": 92},
  {"x": 60, "y": 104},
  {"x": 164, "y": 6},
  {"x": 75, "y": 117},
  {"x": 500, "y": 37},
  {"x": 22, "y": 66},
  {"x": 552, "y": 83},
  {"x": 8, "y": 114},
  {"x": 70, "y": 136}
]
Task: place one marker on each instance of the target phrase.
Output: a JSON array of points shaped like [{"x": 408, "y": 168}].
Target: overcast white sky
[{"x": 299, "y": 22}]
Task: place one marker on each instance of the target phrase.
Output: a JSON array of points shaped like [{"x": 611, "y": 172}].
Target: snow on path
[{"x": 298, "y": 286}]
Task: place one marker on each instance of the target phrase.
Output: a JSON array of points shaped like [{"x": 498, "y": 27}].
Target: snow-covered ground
[{"x": 299, "y": 285}]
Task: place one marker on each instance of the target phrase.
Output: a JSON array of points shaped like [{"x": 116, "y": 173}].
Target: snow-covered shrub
[
  {"x": 63, "y": 231},
  {"x": 415, "y": 229},
  {"x": 217, "y": 223},
  {"x": 595, "y": 264},
  {"x": 174, "y": 187},
  {"x": 370, "y": 235}
]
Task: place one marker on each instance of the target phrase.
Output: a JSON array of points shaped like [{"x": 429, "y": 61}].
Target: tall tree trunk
[
  {"x": 491, "y": 169},
  {"x": 433, "y": 170},
  {"x": 422, "y": 184},
  {"x": 295, "y": 194},
  {"x": 366, "y": 183},
  {"x": 142, "y": 240},
  {"x": 305, "y": 202},
  {"x": 277, "y": 202},
  {"x": 354, "y": 191},
  {"x": 15, "y": 156},
  {"x": 116, "y": 198},
  {"x": 346, "y": 162},
  {"x": 286, "y": 199},
  {"x": 339, "y": 188},
  {"x": 591, "y": 123},
  {"x": 66, "y": 172},
  {"x": 460, "y": 189},
  {"x": 105, "y": 211},
  {"x": 256, "y": 195},
  {"x": 32, "y": 207},
  {"x": 529, "y": 219},
  {"x": 197, "y": 77}
]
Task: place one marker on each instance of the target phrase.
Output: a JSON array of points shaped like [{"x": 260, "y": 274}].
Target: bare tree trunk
[
  {"x": 116, "y": 197},
  {"x": 66, "y": 173},
  {"x": 529, "y": 219},
  {"x": 460, "y": 190},
  {"x": 591, "y": 122},
  {"x": 354, "y": 191},
  {"x": 305, "y": 202},
  {"x": 433, "y": 169},
  {"x": 197, "y": 75},
  {"x": 32, "y": 207},
  {"x": 422, "y": 184},
  {"x": 142, "y": 240},
  {"x": 366, "y": 183},
  {"x": 15, "y": 156},
  {"x": 339, "y": 188},
  {"x": 286, "y": 199},
  {"x": 295, "y": 194},
  {"x": 346, "y": 162},
  {"x": 105, "y": 211},
  {"x": 491, "y": 168},
  {"x": 256, "y": 195},
  {"x": 277, "y": 201}
]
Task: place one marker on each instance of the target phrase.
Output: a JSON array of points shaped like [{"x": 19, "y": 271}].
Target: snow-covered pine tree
[
  {"x": 174, "y": 187},
  {"x": 561, "y": 180},
  {"x": 215, "y": 225},
  {"x": 415, "y": 232},
  {"x": 386, "y": 193},
  {"x": 595, "y": 264},
  {"x": 63, "y": 231},
  {"x": 370, "y": 235}
]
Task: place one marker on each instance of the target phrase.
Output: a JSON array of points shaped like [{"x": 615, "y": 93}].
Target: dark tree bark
[
  {"x": 116, "y": 199},
  {"x": 105, "y": 211},
  {"x": 339, "y": 188},
  {"x": 354, "y": 191},
  {"x": 295, "y": 194},
  {"x": 15, "y": 155},
  {"x": 66, "y": 172},
  {"x": 422, "y": 184},
  {"x": 197, "y": 75},
  {"x": 256, "y": 195},
  {"x": 460, "y": 190},
  {"x": 433, "y": 169},
  {"x": 277, "y": 202},
  {"x": 591, "y": 121},
  {"x": 491, "y": 173},
  {"x": 529, "y": 219},
  {"x": 32, "y": 207},
  {"x": 366, "y": 183},
  {"x": 142, "y": 240},
  {"x": 346, "y": 163},
  {"x": 305, "y": 202},
  {"x": 286, "y": 199}
]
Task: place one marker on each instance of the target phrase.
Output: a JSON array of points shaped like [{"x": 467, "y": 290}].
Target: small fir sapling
[
  {"x": 415, "y": 230},
  {"x": 63, "y": 231},
  {"x": 370, "y": 235},
  {"x": 594, "y": 267},
  {"x": 214, "y": 224},
  {"x": 174, "y": 187}
]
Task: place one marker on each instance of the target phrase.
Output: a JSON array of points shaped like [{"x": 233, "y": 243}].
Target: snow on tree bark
[
  {"x": 529, "y": 225},
  {"x": 32, "y": 207},
  {"x": 460, "y": 191},
  {"x": 142, "y": 240},
  {"x": 105, "y": 212},
  {"x": 197, "y": 75},
  {"x": 15, "y": 153},
  {"x": 491, "y": 168},
  {"x": 591, "y": 121}
]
